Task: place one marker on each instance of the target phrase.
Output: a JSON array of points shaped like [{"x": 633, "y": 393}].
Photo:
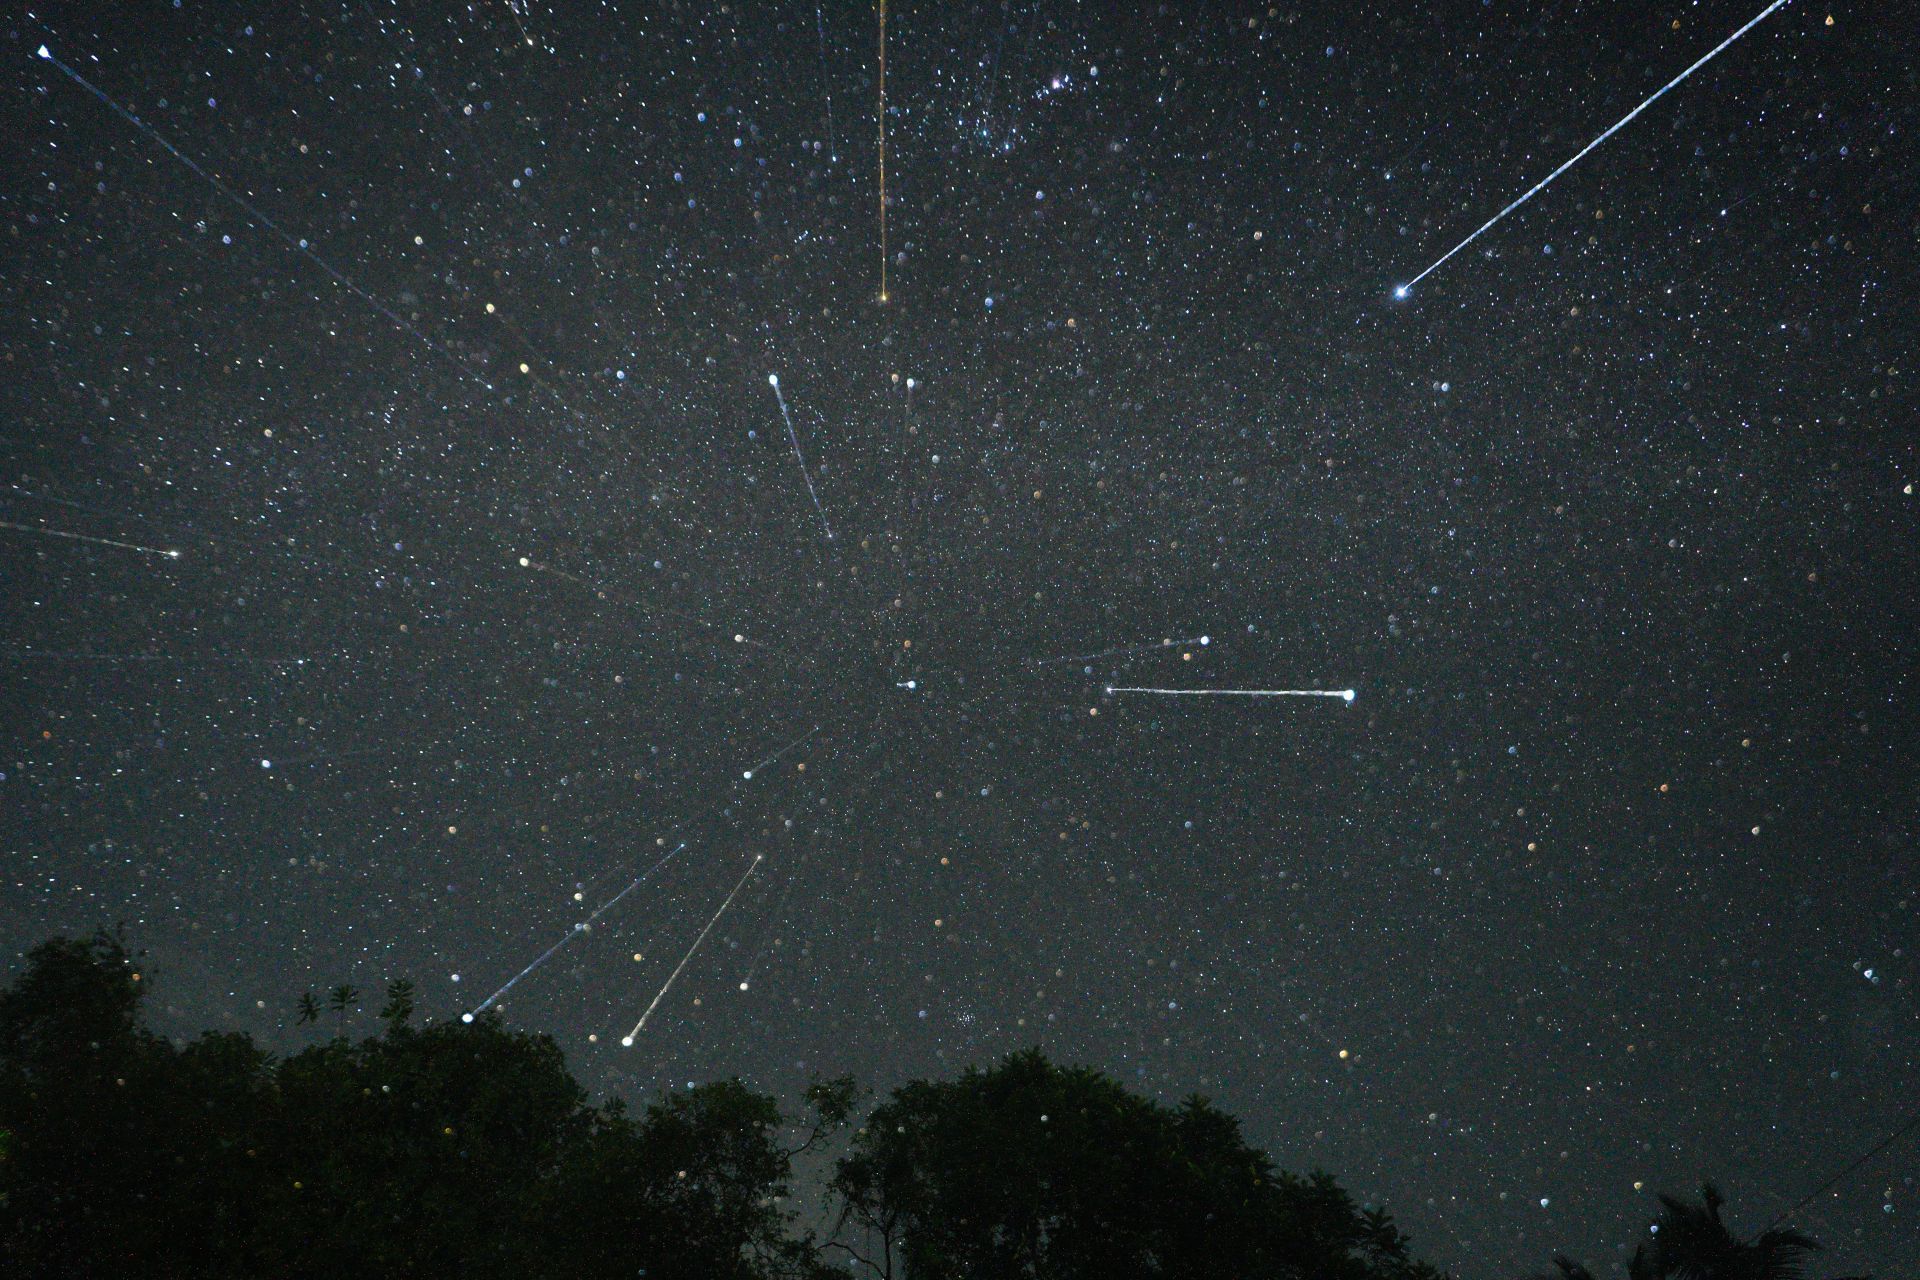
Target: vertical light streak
[
  {"x": 883, "y": 150},
  {"x": 826, "y": 83},
  {"x": 773, "y": 380}
]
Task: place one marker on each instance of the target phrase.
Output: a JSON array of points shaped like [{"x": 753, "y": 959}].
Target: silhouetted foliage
[
  {"x": 76, "y": 1074},
  {"x": 1030, "y": 1170},
  {"x": 398, "y": 1010},
  {"x": 455, "y": 1150},
  {"x": 342, "y": 999},
  {"x": 468, "y": 1150},
  {"x": 1692, "y": 1242}
]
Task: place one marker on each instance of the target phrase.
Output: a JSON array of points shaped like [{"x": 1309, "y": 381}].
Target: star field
[{"x": 406, "y": 544}]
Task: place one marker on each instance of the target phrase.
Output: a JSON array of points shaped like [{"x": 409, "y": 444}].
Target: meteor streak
[
  {"x": 1402, "y": 290},
  {"x": 627, "y": 1040},
  {"x": 883, "y": 150},
  {"x": 571, "y": 934},
  {"x": 170, "y": 553},
  {"x": 748, "y": 772},
  {"x": 297, "y": 244},
  {"x": 773, "y": 380},
  {"x": 1118, "y": 650},
  {"x": 301, "y": 246},
  {"x": 1345, "y": 695}
]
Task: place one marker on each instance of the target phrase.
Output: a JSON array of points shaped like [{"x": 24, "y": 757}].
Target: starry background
[{"x": 1605, "y": 881}]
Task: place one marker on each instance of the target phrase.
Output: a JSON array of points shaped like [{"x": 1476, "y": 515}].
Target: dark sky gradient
[{"x": 1610, "y": 525}]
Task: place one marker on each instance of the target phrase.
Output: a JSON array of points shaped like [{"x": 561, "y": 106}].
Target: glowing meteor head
[
  {"x": 44, "y": 53},
  {"x": 1346, "y": 695},
  {"x": 466, "y": 1017},
  {"x": 1401, "y": 290},
  {"x": 173, "y": 554},
  {"x": 747, "y": 774},
  {"x": 1206, "y": 640},
  {"x": 773, "y": 379},
  {"x": 626, "y": 1042},
  {"x": 743, "y": 986}
]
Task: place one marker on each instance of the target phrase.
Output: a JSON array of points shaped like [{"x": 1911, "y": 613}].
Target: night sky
[{"x": 440, "y": 561}]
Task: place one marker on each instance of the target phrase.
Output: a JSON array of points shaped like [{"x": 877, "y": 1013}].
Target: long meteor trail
[
  {"x": 169, "y": 553},
  {"x": 303, "y": 247},
  {"x": 88, "y": 655},
  {"x": 571, "y": 934},
  {"x": 627, "y": 1040},
  {"x": 1401, "y": 291},
  {"x": 883, "y": 150},
  {"x": 294, "y": 242},
  {"x": 773, "y": 380},
  {"x": 1345, "y": 695}
]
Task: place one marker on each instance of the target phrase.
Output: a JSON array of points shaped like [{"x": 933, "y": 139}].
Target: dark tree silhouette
[
  {"x": 1034, "y": 1170},
  {"x": 343, "y": 998},
  {"x": 457, "y": 1150},
  {"x": 398, "y": 1010},
  {"x": 698, "y": 1177},
  {"x": 1692, "y": 1242},
  {"x": 92, "y": 1183},
  {"x": 467, "y": 1149}
]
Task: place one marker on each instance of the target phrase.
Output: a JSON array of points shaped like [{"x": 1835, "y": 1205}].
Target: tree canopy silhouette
[
  {"x": 467, "y": 1149},
  {"x": 1033, "y": 1170},
  {"x": 1692, "y": 1242},
  {"x": 452, "y": 1150}
]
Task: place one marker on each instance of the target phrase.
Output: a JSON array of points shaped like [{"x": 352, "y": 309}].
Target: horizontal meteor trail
[
  {"x": 638, "y": 1027},
  {"x": 1202, "y": 641},
  {"x": 86, "y": 655},
  {"x": 1401, "y": 291},
  {"x": 169, "y": 553},
  {"x": 571, "y": 934},
  {"x": 1345, "y": 695}
]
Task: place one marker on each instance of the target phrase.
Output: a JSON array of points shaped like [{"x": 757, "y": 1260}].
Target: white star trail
[
  {"x": 627, "y": 1040},
  {"x": 773, "y": 380},
  {"x": 169, "y": 553},
  {"x": 578, "y": 929},
  {"x": 1345, "y": 695},
  {"x": 1402, "y": 290}
]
